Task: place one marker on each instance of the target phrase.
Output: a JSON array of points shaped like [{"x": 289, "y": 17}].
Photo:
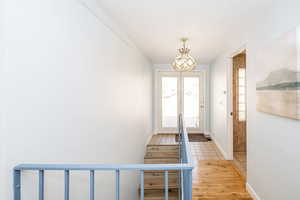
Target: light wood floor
[
  {"x": 215, "y": 178},
  {"x": 205, "y": 151},
  {"x": 241, "y": 162}
]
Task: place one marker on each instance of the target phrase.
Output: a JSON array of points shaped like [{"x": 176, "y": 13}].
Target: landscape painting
[{"x": 278, "y": 81}]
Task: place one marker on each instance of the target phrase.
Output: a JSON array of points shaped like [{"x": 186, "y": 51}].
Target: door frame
[
  {"x": 229, "y": 110},
  {"x": 156, "y": 116}
]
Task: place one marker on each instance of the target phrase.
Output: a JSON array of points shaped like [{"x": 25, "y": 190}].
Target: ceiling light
[{"x": 184, "y": 62}]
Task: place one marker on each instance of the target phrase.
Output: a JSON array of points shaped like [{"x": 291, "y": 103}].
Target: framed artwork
[{"x": 278, "y": 78}]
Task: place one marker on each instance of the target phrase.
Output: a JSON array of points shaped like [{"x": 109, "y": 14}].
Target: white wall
[
  {"x": 218, "y": 95},
  {"x": 74, "y": 89},
  {"x": 273, "y": 142},
  {"x": 2, "y": 154}
]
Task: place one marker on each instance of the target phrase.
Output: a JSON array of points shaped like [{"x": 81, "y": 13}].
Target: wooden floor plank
[
  {"x": 218, "y": 179},
  {"x": 240, "y": 161}
]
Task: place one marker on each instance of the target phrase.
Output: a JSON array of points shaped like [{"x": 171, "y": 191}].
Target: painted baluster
[
  {"x": 92, "y": 185},
  {"x": 117, "y": 184},
  {"x": 190, "y": 183},
  {"x": 17, "y": 185},
  {"x": 67, "y": 184},
  {"x": 142, "y": 185},
  {"x": 166, "y": 185},
  {"x": 187, "y": 184},
  {"x": 41, "y": 184}
]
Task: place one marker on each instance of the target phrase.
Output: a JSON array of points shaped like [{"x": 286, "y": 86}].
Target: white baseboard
[
  {"x": 220, "y": 148},
  {"x": 252, "y": 193}
]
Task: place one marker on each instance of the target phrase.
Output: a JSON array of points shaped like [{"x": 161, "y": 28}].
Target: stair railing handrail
[{"x": 186, "y": 166}]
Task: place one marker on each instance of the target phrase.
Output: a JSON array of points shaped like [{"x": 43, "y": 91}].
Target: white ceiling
[{"x": 155, "y": 26}]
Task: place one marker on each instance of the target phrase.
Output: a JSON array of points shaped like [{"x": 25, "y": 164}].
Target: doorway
[
  {"x": 239, "y": 112},
  {"x": 180, "y": 93}
]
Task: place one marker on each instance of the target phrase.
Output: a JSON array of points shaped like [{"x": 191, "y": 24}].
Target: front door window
[
  {"x": 169, "y": 102},
  {"x": 191, "y": 101}
]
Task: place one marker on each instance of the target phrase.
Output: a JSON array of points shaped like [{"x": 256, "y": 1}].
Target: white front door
[{"x": 180, "y": 93}]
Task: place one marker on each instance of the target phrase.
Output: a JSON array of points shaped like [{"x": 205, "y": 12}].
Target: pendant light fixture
[{"x": 184, "y": 62}]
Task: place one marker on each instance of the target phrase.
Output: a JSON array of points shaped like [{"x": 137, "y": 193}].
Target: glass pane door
[
  {"x": 241, "y": 94},
  {"x": 191, "y": 102},
  {"x": 169, "y": 103},
  {"x": 180, "y": 93}
]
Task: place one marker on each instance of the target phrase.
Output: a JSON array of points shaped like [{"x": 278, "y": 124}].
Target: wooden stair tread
[
  {"x": 160, "y": 194},
  {"x": 158, "y": 182},
  {"x": 161, "y": 160},
  {"x": 161, "y": 171},
  {"x": 162, "y": 155},
  {"x": 175, "y": 158},
  {"x": 160, "y": 148},
  {"x": 163, "y": 145},
  {"x": 163, "y": 139},
  {"x": 161, "y": 187},
  {"x": 159, "y": 174}
]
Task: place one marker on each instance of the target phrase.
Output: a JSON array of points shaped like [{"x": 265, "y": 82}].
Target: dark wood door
[{"x": 239, "y": 103}]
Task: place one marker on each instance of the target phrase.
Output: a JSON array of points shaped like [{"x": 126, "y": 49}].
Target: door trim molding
[{"x": 229, "y": 118}]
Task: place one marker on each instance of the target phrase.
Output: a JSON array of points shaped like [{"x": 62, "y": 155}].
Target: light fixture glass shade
[{"x": 184, "y": 62}]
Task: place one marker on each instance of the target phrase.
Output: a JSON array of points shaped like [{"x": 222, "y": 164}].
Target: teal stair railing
[{"x": 185, "y": 167}]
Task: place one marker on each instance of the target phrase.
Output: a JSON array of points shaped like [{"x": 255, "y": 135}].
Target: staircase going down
[{"x": 162, "y": 149}]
